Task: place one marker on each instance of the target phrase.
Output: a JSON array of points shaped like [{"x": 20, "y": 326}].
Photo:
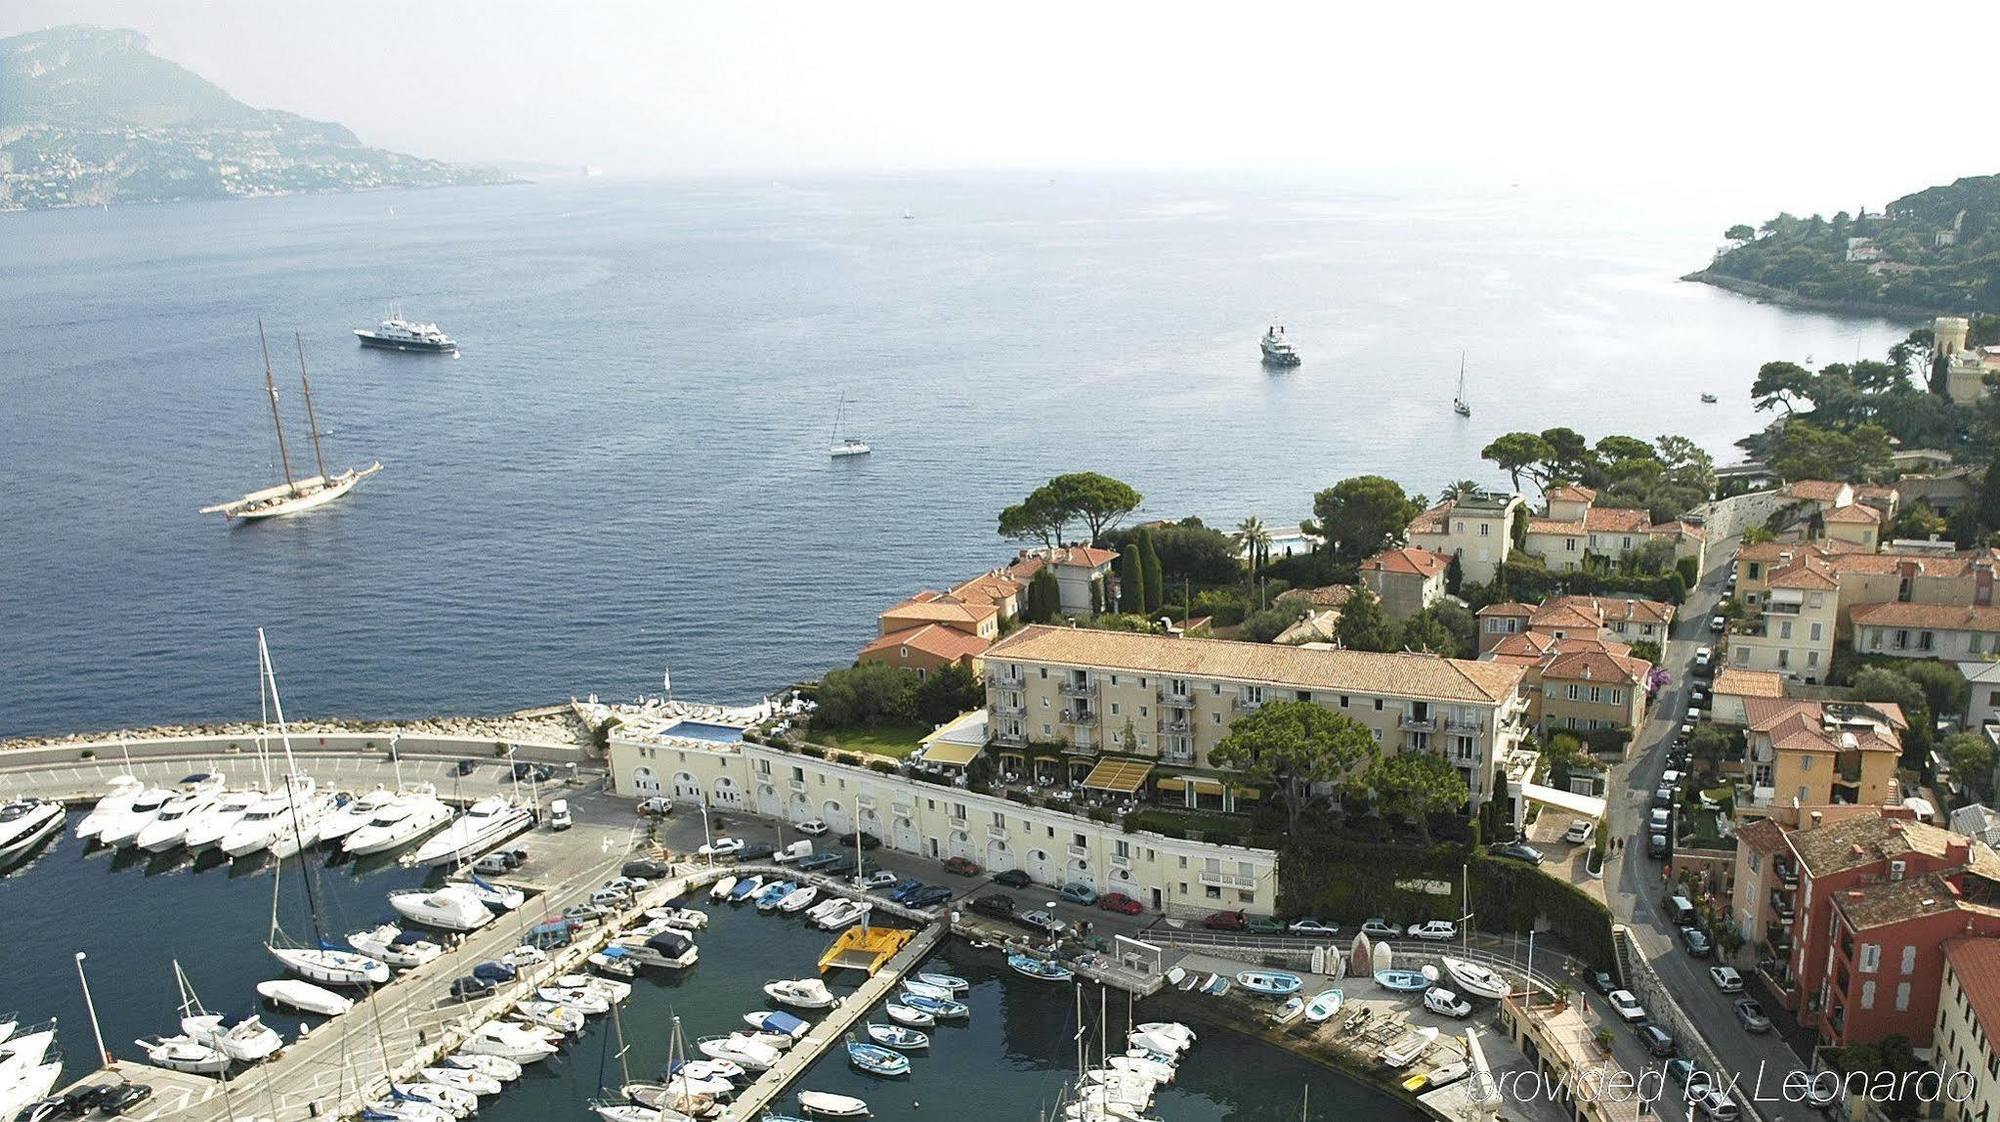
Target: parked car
[
  {"x": 929, "y": 897},
  {"x": 1013, "y": 878},
  {"x": 1626, "y": 1006},
  {"x": 1447, "y": 1003},
  {"x": 838, "y": 865},
  {"x": 559, "y": 818},
  {"x": 1751, "y": 1016},
  {"x": 1263, "y": 925},
  {"x": 1719, "y": 1106},
  {"x": 827, "y": 861},
  {"x": 523, "y": 769},
  {"x": 1696, "y": 942},
  {"x": 1579, "y": 831},
  {"x": 722, "y": 847},
  {"x": 1704, "y": 661},
  {"x": 1717, "y": 624},
  {"x": 995, "y": 904},
  {"x": 1438, "y": 929},
  {"x": 1077, "y": 892},
  {"x": 1726, "y": 979},
  {"x": 499, "y": 861},
  {"x": 124, "y": 1097},
  {"x": 961, "y": 866},
  {"x": 1310, "y": 926},
  {"x": 1680, "y": 1070},
  {"x": 905, "y": 888},
  {"x": 1519, "y": 851},
  {"x": 468, "y": 988},
  {"x": 1379, "y": 928},
  {"x": 1225, "y": 921},
  {"x": 659, "y": 806},
  {"x": 1656, "y": 845},
  {"x": 868, "y": 840},
  {"x": 1120, "y": 903},
  {"x": 1602, "y": 981},
  {"x": 812, "y": 827},
  {"x": 79, "y": 1101},
  {"x": 880, "y": 878},
  {"x": 464, "y": 768},
  {"x": 1043, "y": 922},
  {"x": 1657, "y": 1040},
  {"x": 1663, "y": 798}
]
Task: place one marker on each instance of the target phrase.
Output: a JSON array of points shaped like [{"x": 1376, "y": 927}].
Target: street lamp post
[{"x": 103, "y": 1056}]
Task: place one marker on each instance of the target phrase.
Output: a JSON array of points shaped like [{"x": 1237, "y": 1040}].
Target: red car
[
  {"x": 1119, "y": 902},
  {"x": 1225, "y": 921},
  {"x": 962, "y": 866}
]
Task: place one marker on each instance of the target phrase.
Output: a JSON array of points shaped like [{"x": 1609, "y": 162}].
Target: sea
[
  {"x": 135, "y": 916},
  {"x": 625, "y": 473}
]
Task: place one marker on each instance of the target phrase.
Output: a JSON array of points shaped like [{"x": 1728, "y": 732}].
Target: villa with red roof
[
  {"x": 1407, "y": 580},
  {"x": 1573, "y": 525}
]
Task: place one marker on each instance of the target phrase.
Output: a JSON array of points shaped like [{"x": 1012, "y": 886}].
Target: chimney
[{"x": 1818, "y": 816}]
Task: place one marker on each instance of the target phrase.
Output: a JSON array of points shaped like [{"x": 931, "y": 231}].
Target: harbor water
[
  {"x": 1009, "y": 1060},
  {"x": 627, "y": 469}
]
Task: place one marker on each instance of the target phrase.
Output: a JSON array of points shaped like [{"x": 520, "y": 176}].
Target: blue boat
[
  {"x": 1403, "y": 981},
  {"x": 877, "y": 1060},
  {"x": 771, "y": 1020},
  {"x": 898, "y": 1037},
  {"x": 1270, "y": 983},
  {"x": 772, "y": 893},
  {"x": 937, "y": 1006},
  {"x": 952, "y": 982},
  {"x": 744, "y": 888},
  {"x": 1040, "y": 969}
]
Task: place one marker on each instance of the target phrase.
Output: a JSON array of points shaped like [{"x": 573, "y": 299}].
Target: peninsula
[
  {"x": 1935, "y": 251},
  {"x": 89, "y": 117}
]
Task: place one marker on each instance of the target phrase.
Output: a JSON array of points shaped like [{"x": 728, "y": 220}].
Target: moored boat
[
  {"x": 800, "y": 993},
  {"x": 451, "y": 908},
  {"x": 304, "y": 996},
  {"x": 25, "y": 824},
  {"x": 877, "y": 1060},
  {"x": 484, "y": 825},
  {"x": 1474, "y": 979},
  {"x": 115, "y": 801},
  {"x": 898, "y": 1037},
  {"x": 829, "y": 1105},
  {"x": 1412, "y": 1045},
  {"x": 1028, "y": 966},
  {"x": 1270, "y": 983}
]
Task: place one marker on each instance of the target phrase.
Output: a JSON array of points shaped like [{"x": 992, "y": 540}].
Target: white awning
[{"x": 1590, "y": 806}]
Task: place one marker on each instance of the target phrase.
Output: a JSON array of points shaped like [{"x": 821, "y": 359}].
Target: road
[{"x": 1635, "y": 884}]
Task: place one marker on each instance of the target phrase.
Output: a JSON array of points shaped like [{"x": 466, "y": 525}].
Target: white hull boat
[
  {"x": 484, "y": 825},
  {"x": 404, "y": 820},
  {"x": 245, "y": 1040},
  {"x": 739, "y": 1050},
  {"x": 844, "y": 913},
  {"x": 206, "y": 831},
  {"x": 464, "y": 1079},
  {"x": 800, "y": 899},
  {"x": 300, "y": 831},
  {"x": 451, "y": 908},
  {"x": 123, "y": 830},
  {"x": 339, "y": 968},
  {"x": 181, "y": 1053},
  {"x": 829, "y": 1105},
  {"x": 31, "y": 1085},
  {"x": 1170, "y": 1030},
  {"x": 354, "y": 814},
  {"x": 169, "y": 828},
  {"x": 1475, "y": 979},
  {"x": 254, "y": 832},
  {"x": 493, "y": 1067},
  {"x": 393, "y": 945},
  {"x": 683, "y": 919},
  {"x": 610, "y": 989},
  {"x": 115, "y": 801},
  {"x": 800, "y": 993},
  {"x": 497, "y": 897},
  {"x": 669, "y": 950},
  {"x": 580, "y": 998},
  {"x": 508, "y": 1041},
  {"x": 25, "y": 824},
  {"x": 548, "y": 1014},
  {"x": 304, "y": 996},
  {"x": 722, "y": 888},
  {"x": 904, "y": 1015},
  {"x": 1412, "y": 1045}
]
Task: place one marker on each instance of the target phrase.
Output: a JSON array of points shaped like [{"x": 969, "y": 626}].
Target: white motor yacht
[
  {"x": 742, "y": 1051},
  {"x": 451, "y": 1100},
  {"x": 205, "y": 830},
  {"x": 800, "y": 993},
  {"x": 259, "y": 824},
  {"x": 843, "y": 913},
  {"x": 463, "y": 1078},
  {"x": 583, "y": 999},
  {"x": 184, "y": 1053},
  {"x": 506, "y": 1071},
  {"x": 300, "y": 829},
  {"x": 116, "y": 801},
  {"x": 354, "y": 814},
  {"x": 244, "y": 1039},
  {"x": 24, "y": 1053},
  {"x": 123, "y": 830},
  {"x": 399, "y": 822},
  {"x": 508, "y": 1041},
  {"x": 340, "y": 968},
  {"x": 484, "y": 825},
  {"x": 24, "y": 824},
  {"x": 395, "y": 946},
  {"x": 498, "y": 897},
  {"x": 686, "y": 919},
  {"x": 450, "y": 908},
  {"x": 30, "y": 1085},
  {"x": 170, "y": 826},
  {"x": 304, "y": 996},
  {"x": 669, "y": 950}
]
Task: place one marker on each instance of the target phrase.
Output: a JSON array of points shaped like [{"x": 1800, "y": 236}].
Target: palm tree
[
  {"x": 1463, "y": 489},
  {"x": 1254, "y": 539}
]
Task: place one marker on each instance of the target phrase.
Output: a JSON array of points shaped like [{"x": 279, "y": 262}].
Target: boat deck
[{"x": 863, "y": 948}]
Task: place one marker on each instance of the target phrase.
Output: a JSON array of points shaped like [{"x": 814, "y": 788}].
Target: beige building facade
[{"x": 1477, "y": 529}]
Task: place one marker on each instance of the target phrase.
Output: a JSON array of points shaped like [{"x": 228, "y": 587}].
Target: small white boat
[
  {"x": 707, "y": 1069},
  {"x": 800, "y": 993},
  {"x": 115, "y": 801},
  {"x": 505, "y": 1070},
  {"x": 550, "y": 1014},
  {"x": 406, "y": 1110},
  {"x": 614, "y": 961},
  {"x": 778, "y": 1022},
  {"x": 1324, "y": 1004},
  {"x": 580, "y": 998},
  {"x": 925, "y": 989},
  {"x": 668, "y": 950},
  {"x": 1288, "y": 1012},
  {"x": 722, "y": 889},
  {"x": 1170, "y": 1030},
  {"x": 464, "y": 1079},
  {"x": 1148, "y": 1069},
  {"x": 829, "y": 1105},
  {"x": 904, "y": 1015},
  {"x": 678, "y": 1089},
  {"x": 898, "y": 1037},
  {"x": 1475, "y": 979},
  {"x": 304, "y": 996},
  {"x": 742, "y": 1051},
  {"x": 508, "y": 1041},
  {"x": 184, "y": 1053},
  {"x": 451, "y": 1100},
  {"x": 631, "y": 1112},
  {"x": 451, "y": 908},
  {"x": 1412, "y": 1045},
  {"x": 243, "y": 1039},
  {"x": 340, "y": 968},
  {"x": 951, "y": 983},
  {"x": 170, "y": 826},
  {"x": 1165, "y": 1045},
  {"x": 844, "y": 913},
  {"x": 610, "y": 989},
  {"x": 684, "y": 919},
  {"x": 800, "y": 899}
]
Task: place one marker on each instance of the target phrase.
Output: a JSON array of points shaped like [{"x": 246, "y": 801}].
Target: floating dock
[{"x": 864, "y": 948}]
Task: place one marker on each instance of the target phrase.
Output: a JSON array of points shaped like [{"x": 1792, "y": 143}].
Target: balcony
[
  {"x": 1081, "y": 748},
  {"x": 1177, "y": 698},
  {"x": 996, "y": 833},
  {"x": 1073, "y": 688},
  {"x": 1079, "y": 717},
  {"x": 1001, "y": 681},
  {"x": 1080, "y": 852},
  {"x": 1216, "y": 879},
  {"x": 1121, "y": 861},
  {"x": 1465, "y": 726},
  {"x": 864, "y": 802},
  {"x": 1177, "y": 755},
  {"x": 1001, "y": 709},
  {"x": 1176, "y": 726},
  {"x": 1419, "y": 724},
  {"x": 1009, "y": 739},
  {"x": 1781, "y": 905},
  {"x": 798, "y": 786},
  {"x": 1788, "y": 874},
  {"x": 904, "y": 809},
  {"x": 1247, "y": 705}
]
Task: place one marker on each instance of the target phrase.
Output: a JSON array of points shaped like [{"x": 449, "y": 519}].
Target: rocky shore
[{"x": 555, "y": 724}]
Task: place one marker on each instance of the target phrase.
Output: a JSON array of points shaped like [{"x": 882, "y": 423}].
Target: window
[
  {"x": 1000, "y": 821},
  {"x": 798, "y": 775},
  {"x": 1874, "y": 638},
  {"x": 1215, "y": 718},
  {"x": 1343, "y": 699},
  {"x": 1909, "y": 958},
  {"x": 1596, "y": 695},
  {"x": 1145, "y": 711},
  {"x": 1114, "y": 679},
  {"x": 1926, "y": 640},
  {"x": 1114, "y": 709},
  {"x": 1871, "y": 957},
  {"x": 1079, "y": 840},
  {"x": 1972, "y": 643},
  {"x": 1784, "y": 659},
  {"x": 1868, "y": 995},
  {"x": 1044, "y": 673},
  {"x": 1812, "y": 658},
  {"x": 1486, "y": 529},
  {"x": 1784, "y": 629},
  {"x": 1378, "y": 705},
  {"x": 1756, "y": 570},
  {"x": 1902, "y": 997},
  {"x": 1816, "y": 630},
  {"x": 1900, "y": 640},
  {"x": 1617, "y": 697},
  {"x": 1574, "y": 691},
  {"x": 1569, "y": 544}
]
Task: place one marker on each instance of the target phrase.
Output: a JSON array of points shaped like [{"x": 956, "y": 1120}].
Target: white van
[{"x": 559, "y": 815}]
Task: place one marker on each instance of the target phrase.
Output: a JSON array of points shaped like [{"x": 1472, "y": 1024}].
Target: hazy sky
[{"x": 1804, "y": 105}]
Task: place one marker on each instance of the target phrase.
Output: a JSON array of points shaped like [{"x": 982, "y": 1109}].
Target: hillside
[
  {"x": 1937, "y": 250},
  {"x": 90, "y": 116}
]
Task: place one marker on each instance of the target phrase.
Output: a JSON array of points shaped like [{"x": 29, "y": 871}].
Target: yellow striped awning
[
  {"x": 955, "y": 755},
  {"x": 1120, "y": 777},
  {"x": 1171, "y": 783},
  {"x": 1205, "y": 786}
]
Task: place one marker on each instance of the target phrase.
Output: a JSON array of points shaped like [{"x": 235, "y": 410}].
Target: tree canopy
[
  {"x": 1098, "y": 501},
  {"x": 1364, "y": 626},
  {"x": 1361, "y": 516},
  {"x": 1418, "y": 785},
  {"x": 1294, "y": 746}
]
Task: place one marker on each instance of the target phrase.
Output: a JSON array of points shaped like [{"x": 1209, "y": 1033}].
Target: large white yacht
[
  {"x": 206, "y": 830},
  {"x": 301, "y": 829},
  {"x": 259, "y": 825},
  {"x": 399, "y": 334},
  {"x": 147, "y": 808},
  {"x": 484, "y": 825},
  {"x": 450, "y": 908},
  {"x": 1277, "y": 349},
  {"x": 25, "y": 823},
  {"x": 402, "y": 820},
  {"x": 170, "y": 826},
  {"x": 354, "y": 814},
  {"x": 115, "y": 802}
]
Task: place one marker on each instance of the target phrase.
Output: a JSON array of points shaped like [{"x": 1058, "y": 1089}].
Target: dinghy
[
  {"x": 1040, "y": 969},
  {"x": 877, "y": 1060},
  {"x": 937, "y": 1006},
  {"x": 1402, "y": 981},
  {"x": 829, "y": 1105},
  {"x": 771, "y": 895},
  {"x": 1288, "y": 1012},
  {"x": 1270, "y": 983},
  {"x": 898, "y": 1037},
  {"x": 614, "y": 960},
  {"x": 951, "y": 982},
  {"x": 904, "y": 1015},
  {"x": 1324, "y": 1005},
  {"x": 723, "y": 889},
  {"x": 1437, "y": 1076},
  {"x": 800, "y": 899}
]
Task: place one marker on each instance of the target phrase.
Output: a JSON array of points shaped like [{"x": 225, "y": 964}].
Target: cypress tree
[
  {"x": 1149, "y": 562},
  {"x": 1131, "y": 585}
]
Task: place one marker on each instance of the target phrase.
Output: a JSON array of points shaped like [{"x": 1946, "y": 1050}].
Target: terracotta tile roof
[
  {"x": 1814, "y": 726},
  {"x": 940, "y": 609},
  {"x": 1554, "y": 526},
  {"x": 1433, "y": 521},
  {"x": 1940, "y": 617},
  {"x": 1855, "y": 514},
  {"x": 1616, "y": 520},
  {"x": 932, "y": 639},
  {"x": 1508, "y": 608},
  {"x": 1763, "y": 835},
  {"x": 1750, "y": 683},
  {"x": 1562, "y": 613},
  {"x": 1408, "y": 561},
  {"x": 1327, "y": 596},
  {"x": 1808, "y": 573},
  {"x": 1852, "y": 843},
  {"x": 1773, "y": 551},
  {"x": 1976, "y": 962},
  {"x": 1420, "y": 676},
  {"x": 1875, "y": 491},
  {"x": 1571, "y": 493},
  {"x": 1818, "y": 490},
  {"x": 989, "y": 588},
  {"x": 1860, "y": 560},
  {"x": 1883, "y": 903},
  {"x": 1679, "y": 527},
  {"x": 1599, "y": 611},
  {"x": 1574, "y": 665},
  {"x": 1531, "y": 645}
]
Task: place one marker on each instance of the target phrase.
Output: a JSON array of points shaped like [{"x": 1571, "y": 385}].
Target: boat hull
[{"x": 408, "y": 346}]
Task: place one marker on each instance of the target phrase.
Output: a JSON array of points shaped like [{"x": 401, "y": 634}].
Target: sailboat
[
  {"x": 323, "y": 963},
  {"x": 845, "y": 446},
  {"x": 294, "y": 496},
  {"x": 1458, "y": 404}
]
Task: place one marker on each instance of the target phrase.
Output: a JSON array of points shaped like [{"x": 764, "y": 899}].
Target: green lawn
[{"x": 884, "y": 740}]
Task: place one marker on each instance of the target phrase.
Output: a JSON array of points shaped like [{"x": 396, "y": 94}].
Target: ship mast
[
  {"x": 271, "y": 387},
  {"x": 311, "y": 420}
]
